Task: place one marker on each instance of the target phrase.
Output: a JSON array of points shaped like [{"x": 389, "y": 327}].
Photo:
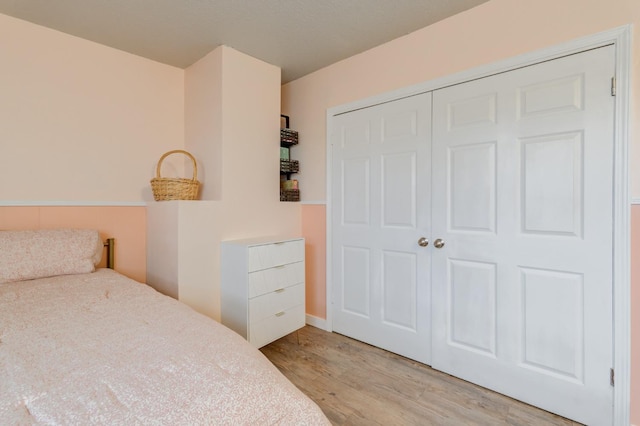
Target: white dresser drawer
[
  {"x": 268, "y": 280},
  {"x": 274, "y": 327},
  {"x": 266, "y": 256},
  {"x": 262, "y": 288},
  {"x": 273, "y": 303}
]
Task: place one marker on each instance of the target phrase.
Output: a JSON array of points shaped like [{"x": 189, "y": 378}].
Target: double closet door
[{"x": 472, "y": 231}]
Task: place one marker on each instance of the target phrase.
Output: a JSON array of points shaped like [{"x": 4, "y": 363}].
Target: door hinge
[
  {"x": 613, "y": 86},
  {"x": 612, "y": 376}
]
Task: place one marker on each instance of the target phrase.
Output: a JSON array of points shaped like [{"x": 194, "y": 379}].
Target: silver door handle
[
  {"x": 439, "y": 243},
  {"x": 423, "y": 242}
]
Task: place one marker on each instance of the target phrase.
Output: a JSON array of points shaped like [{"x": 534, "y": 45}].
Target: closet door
[
  {"x": 522, "y": 199},
  {"x": 380, "y": 209}
]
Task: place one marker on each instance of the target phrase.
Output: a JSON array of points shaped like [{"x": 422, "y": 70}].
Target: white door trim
[{"x": 621, "y": 38}]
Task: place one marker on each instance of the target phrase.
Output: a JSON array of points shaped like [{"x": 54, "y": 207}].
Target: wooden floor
[{"x": 357, "y": 384}]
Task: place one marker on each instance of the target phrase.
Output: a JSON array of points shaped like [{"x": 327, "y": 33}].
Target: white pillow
[{"x": 26, "y": 255}]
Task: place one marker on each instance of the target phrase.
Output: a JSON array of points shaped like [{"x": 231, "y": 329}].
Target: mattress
[{"x": 99, "y": 348}]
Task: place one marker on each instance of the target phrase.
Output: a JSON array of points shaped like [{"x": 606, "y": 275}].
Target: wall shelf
[{"x": 289, "y": 190}]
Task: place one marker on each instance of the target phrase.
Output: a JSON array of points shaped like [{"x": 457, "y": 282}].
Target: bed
[{"x": 79, "y": 346}]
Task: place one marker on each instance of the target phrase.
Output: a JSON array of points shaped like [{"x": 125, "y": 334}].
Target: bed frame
[{"x": 110, "y": 245}]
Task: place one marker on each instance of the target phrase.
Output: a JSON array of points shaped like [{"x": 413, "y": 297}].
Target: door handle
[
  {"x": 439, "y": 243},
  {"x": 423, "y": 242}
]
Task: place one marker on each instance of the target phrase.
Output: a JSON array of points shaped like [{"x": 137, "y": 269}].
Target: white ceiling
[{"x": 299, "y": 36}]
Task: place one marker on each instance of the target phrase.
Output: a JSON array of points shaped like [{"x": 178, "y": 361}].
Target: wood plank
[{"x": 358, "y": 384}]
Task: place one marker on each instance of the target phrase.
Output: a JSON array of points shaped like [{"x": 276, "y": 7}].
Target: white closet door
[
  {"x": 522, "y": 197},
  {"x": 381, "y": 205}
]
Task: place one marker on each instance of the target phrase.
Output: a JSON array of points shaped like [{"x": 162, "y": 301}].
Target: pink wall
[
  {"x": 125, "y": 224},
  {"x": 493, "y": 31},
  {"x": 314, "y": 230},
  {"x": 80, "y": 121}
]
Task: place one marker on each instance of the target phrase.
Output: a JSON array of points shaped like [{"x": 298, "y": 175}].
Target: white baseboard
[
  {"x": 314, "y": 202},
  {"x": 316, "y": 322}
]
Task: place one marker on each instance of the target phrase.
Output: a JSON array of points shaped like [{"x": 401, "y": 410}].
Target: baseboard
[{"x": 316, "y": 322}]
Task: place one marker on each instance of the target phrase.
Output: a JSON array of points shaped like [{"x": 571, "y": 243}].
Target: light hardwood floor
[{"x": 358, "y": 384}]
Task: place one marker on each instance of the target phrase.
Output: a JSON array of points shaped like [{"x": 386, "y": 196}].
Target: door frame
[{"x": 620, "y": 37}]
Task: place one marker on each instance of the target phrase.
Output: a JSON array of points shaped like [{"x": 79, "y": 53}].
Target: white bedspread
[{"x": 102, "y": 349}]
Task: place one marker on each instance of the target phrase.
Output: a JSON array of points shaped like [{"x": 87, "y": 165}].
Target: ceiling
[{"x": 299, "y": 36}]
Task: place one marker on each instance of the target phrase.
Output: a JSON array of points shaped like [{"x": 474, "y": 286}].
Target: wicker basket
[
  {"x": 289, "y": 166},
  {"x": 288, "y": 137},
  {"x": 289, "y": 195},
  {"x": 175, "y": 188}
]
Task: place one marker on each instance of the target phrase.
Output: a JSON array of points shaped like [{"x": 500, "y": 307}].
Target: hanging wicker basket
[{"x": 165, "y": 189}]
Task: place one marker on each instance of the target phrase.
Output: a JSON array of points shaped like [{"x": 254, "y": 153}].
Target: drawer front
[
  {"x": 272, "y": 304},
  {"x": 264, "y": 332},
  {"x": 268, "y": 280},
  {"x": 275, "y": 254}
]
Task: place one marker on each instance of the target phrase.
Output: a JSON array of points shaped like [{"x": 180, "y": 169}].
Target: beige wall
[
  {"x": 496, "y": 30},
  {"x": 493, "y": 31},
  {"x": 244, "y": 172},
  {"x": 239, "y": 153},
  {"x": 203, "y": 121},
  {"x": 80, "y": 121}
]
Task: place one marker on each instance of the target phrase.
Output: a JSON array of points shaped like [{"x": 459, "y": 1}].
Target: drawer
[
  {"x": 264, "y": 332},
  {"x": 268, "y": 280},
  {"x": 275, "y": 302},
  {"x": 266, "y": 256}
]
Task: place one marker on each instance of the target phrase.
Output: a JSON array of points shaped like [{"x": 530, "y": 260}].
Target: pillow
[{"x": 26, "y": 255}]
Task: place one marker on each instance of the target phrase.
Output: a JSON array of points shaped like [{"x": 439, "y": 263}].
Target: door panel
[
  {"x": 355, "y": 191},
  {"x": 523, "y": 304},
  {"x": 553, "y": 326},
  {"x": 551, "y": 96},
  {"x": 399, "y": 289},
  {"x": 552, "y": 167},
  {"x": 356, "y": 281},
  {"x": 472, "y": 187},
  {"x": 381, "y": 208},
  {"x": 399, "y": 207},
  {"x": 472, "y": 305}
]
